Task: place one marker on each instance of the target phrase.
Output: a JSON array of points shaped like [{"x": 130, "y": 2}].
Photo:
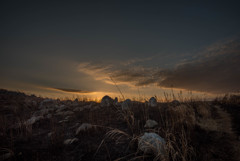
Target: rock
[
  {"x": 44, "y": 112},
  {"x": 106, "y": 101},
  {"x": 34, "y": 103},
  {"x": 78, "y": 109},
  {"x": 61, "y": 108},
  {"x": 151, "y": 143},
  {"x": 175, "y": 103},
  {"x": 126, "y": 104},
  {"x": 94, "y": 108},
  {"x": 74, "y": 126},
  {"x": 150, "y": 124},
  {"x": 76, "y": 100},
  {"x": 33, "y": 119},
  {"x": 152, "y": 102},
  {"x": 84, "y": 127},
  {"x": 64, "y": 113},
  {"x": 62, "y": 121},
  {"x": 116, "y": 103},
  {"x": 50, "y": 134},
  {"x": 6, "y": 156},
  {"x": 49, "y": 116},
  {"x": 47, "y": 103},
  {"x": 68, "y": 117},
  {"x": 70, "y": 141}
]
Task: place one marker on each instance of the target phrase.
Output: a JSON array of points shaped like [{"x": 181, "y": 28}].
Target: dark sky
[{"x": 78, "y": 45}]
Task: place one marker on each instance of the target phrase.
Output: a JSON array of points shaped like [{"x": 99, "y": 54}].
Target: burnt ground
[{"x": 194, "y": 130}]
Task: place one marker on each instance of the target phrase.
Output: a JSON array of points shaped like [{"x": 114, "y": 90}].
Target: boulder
[
  {"x": 33, "y": 119},
  {"x": 152, "y": 102},
  {"x": 151, "y": 143},
  {"x": 78, "y": 109},
  {"x": 70, "y": 141},
  {"x": 84, "y": 127},
  {"x": 46, "y": 103},
  {"x": 64, "y": 113},
  {"x": 61, "y": 108},
  {"x": 150, "y": 124},
  {"x": 175, "y": 103},
  {"x": 106, "y": 101},
  {"x": 126, "y": 104}
]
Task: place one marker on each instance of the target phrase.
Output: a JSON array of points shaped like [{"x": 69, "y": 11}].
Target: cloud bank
[
  {"x": 215, "y": 70},
  {"x": 71, "y": 90}
]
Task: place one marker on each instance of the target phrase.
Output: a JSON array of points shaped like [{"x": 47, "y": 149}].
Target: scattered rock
[
  {"x": 106, "y": 101},
  {"x": 33, "y": 119},
  {"x": 64, "y": 113},
  {"x": 126, "y": 104},
  {"x": 94, "y": 108},
  {"x": 49, "y": 116},
  {"x": 84, "y": 127},
  {"x": 151, "y": 143},
  {"x": 78, "y": 109},
  {"x": 50, "y": 134},
  {"x": 47, "y": 103},
  {"x": 70, "y": 141},
  {"x": 150, "y": 124},
  {"x": 61, "y": 108},
  {"x": 44, "y": 111},
  {"x": 62, "y": 121},
  {"x": 175, "y": 103},
  {"x": 152, "y": 102},
  {"x": 68, "y": 117},
  {"x": 75, "y": 102},
  {"x": 6, "y": 156}
]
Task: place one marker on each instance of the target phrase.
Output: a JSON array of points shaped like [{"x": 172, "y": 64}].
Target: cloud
[
  {"x": 215, "y": 70},
  {"x": 71, "y": 90}
]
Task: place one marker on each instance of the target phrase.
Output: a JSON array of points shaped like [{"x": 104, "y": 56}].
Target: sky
[{"x": 137, "y": 48}]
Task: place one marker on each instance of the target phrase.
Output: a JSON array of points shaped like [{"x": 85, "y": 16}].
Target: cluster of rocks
[
  {"x": 48, "y": 108},
  {"x": 126, "y": 104}
]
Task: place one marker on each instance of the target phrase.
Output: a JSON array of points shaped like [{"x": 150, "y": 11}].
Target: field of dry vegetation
[{"x": 34, "y": 128}]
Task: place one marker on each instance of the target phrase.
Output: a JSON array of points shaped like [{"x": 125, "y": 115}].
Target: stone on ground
[
  {"x": 150, "y": 124},
  {"x": 152, "y": 102},
  {"x": 84, "y": 127},
  {"x": 126, "y": 104},
  {"x": 70, "y": 141},
  {"x": 106, "y": 101},
  {"x": 151, "y": 143}
]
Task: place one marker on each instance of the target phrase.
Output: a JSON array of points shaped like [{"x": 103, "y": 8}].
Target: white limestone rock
[
  {"x": 84, "y": 127},
  {"x": 65, "y": 113},
  {"x": 70, "y": 141},
  {"x": 61, "y": 108},
  {"x": 94, "y": 108},
  {"x": 33, "y": 120},
  {"x": 46, "y": 103},
  {"x": 152, "y": 102},
  {"x": 151, "y": 143},
  {"x": 62, "y": 121},
  {"x": 175, "y": 103},
  {"x": 50, "y": 134},
  {"x": 150, "y": 124},
  {"x": 6, "y": 156},
  {"x": 49, "y": 116},
  {"x": 78, "y": 109},
  {"x": 126, "y": 104},
  {"x": 106, "y": 101}
]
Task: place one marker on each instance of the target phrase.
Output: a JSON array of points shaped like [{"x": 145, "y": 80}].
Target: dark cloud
[
  {"x": 215, "y": 70},
  {"x": 71, "y": 90}
]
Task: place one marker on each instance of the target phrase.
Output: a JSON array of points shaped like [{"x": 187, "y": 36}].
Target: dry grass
[{"x": 193, "y": 131}]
